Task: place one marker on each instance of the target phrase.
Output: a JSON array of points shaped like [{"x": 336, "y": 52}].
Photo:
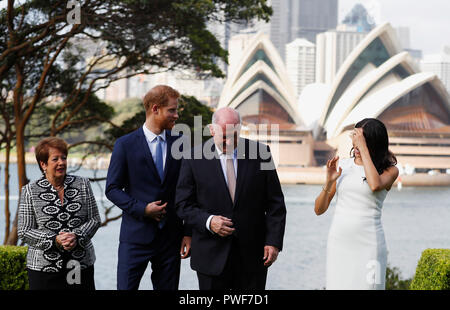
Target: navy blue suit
[{"x": 133, "y": 182}]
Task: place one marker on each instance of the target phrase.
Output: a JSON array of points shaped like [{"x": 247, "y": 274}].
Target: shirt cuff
[{"x": 208, "y": 223}]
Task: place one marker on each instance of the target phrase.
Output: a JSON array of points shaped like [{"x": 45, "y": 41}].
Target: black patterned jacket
[{"x": 42, "y": 217}]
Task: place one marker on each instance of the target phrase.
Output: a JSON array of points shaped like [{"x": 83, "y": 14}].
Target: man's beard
[{"x": 168, "y": 124}]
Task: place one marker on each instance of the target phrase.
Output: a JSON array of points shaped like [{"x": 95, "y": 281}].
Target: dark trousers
[
  {"x": 165, "y": 260},
  {"x": 39, "y": 280},
  {"x": 234, "y": 275}
]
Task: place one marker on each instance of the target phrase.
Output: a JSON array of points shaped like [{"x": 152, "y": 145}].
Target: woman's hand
[
  {"x": 332, "y": 173},
  {"x": 329, "y": 189},
  {"x": 66, "y": 240},
  {"x": 358, "y": 139}
]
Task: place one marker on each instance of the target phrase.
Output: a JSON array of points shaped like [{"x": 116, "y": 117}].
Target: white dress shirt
[
  {"x": 223, "y": 162},
  {"x": 152, "y": 140}
]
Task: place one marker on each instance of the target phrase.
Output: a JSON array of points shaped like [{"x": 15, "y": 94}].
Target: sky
[{"x": 428, "y": 20}]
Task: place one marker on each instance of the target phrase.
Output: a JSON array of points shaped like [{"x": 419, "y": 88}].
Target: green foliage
[
  {"x": 13, "y": 273},
  {"x": 91, "y": 115},
  {"x": 130, "y": 124},
  {"x": 393, "y": 280},
  {"x": 433, "y": 270},
  {"x": 114, "y": 39},
  {"x": 188, "y": 107},
  {"x": 125, "y": 109},
  {"x": 133, "y": 29}
]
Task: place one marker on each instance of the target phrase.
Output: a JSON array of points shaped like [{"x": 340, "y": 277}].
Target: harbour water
[{"x": 414, "y": 219}]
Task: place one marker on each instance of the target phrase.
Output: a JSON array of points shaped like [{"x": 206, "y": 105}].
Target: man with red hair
[{"x": 141, "y": 180}]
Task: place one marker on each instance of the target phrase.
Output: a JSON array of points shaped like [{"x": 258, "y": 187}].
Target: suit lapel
[
  {"x": 169, "y": 158},
  {"x": 147, "y": 153}
]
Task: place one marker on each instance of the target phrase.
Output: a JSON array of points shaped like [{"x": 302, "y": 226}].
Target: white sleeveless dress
[{"x": 356, "y": 248}]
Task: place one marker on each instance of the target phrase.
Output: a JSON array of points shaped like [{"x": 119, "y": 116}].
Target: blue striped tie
[
  {"x": 160, "y": 168},
  {"x": 159, "y": 158}
]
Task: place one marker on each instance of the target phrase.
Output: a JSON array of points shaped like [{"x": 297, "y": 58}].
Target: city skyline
[{"x": 430, "y": 34}]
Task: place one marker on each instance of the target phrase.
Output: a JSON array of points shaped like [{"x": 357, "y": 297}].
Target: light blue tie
[
  {"x": 159, "y": 158},
  {"x": 160, "y": 169}
]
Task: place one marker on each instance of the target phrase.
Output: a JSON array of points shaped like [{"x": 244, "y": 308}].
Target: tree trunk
[
  {"x": 20, "y": 149},
  {"x": 19, "y": 121},
  {"x": 7, "y": 213},
  {"x": 22, "y": 176},
  {"x": 13, "y": 237}
]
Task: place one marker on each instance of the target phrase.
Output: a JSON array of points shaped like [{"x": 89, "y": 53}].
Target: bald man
[
  {"x": 141, "y": 180},
  {"x": 235, "y": 207}
]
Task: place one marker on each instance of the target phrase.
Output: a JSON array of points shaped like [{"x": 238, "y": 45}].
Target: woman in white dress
[{"x": 356, "y": 248}]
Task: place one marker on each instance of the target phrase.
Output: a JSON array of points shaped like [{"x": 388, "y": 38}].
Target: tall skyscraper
[
  {"x": 308, "y": 18},
  {"x": 332, "y": 48},
  {"x": 223, "y": 33},
  {"x": 300, "y": 63},
  {"x": 294, "y": 19},
  {"x": 439, "y": 64},
  {"x": 359, "y": 18},
  {"x": 373, "y": 8},
  {"x": 403, "y": 35}
]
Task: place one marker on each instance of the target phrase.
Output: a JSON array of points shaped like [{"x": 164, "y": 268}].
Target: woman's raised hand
[
  {"x": 358, "y": 139},
  {"x": 332, "y": 173}
]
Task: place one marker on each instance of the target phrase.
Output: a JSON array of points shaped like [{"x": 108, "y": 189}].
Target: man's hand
[
  {"x": 66, "y": 240},
  {"x": 221, "y": 225},
  {"x": 156, "y": 210},
  {"x": 185, "y": 251},
  {"x": 270, "y": 255}
]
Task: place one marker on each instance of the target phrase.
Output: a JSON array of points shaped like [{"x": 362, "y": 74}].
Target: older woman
[{"x": 58, "y": 216}]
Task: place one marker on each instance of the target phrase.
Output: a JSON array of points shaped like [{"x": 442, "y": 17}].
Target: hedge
[
  {"x": 433, "y": 270},
  {"x": 13, "y": 273}
]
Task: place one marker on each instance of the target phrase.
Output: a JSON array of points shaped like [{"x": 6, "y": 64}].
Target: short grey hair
[{"x": 214, "y": 116}]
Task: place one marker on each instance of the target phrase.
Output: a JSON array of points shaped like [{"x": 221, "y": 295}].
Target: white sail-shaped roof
[
  {"x": 377, "y": 103},
  {"x": 260, "y": 68},
  {"x": 393, "y": 70},
  {"x": 376, "y": 48}
]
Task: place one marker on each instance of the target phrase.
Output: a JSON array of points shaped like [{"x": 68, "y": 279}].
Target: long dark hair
[{"x": 377, "y": 141}]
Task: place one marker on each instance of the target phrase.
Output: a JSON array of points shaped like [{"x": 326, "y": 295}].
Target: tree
[
  {"x": 41, "y": 54},
  {"x": 394, "y": 281},
  {"x": 6, "y": 142}
]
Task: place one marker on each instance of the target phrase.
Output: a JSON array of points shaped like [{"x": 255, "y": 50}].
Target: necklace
[{"x": 59, "y": 188}]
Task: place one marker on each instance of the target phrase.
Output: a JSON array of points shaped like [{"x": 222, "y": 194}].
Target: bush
[
  {"x": 433, "y": 270},
  {"x": 13, "y": 273},
  {"x": 394, "y": 281}
]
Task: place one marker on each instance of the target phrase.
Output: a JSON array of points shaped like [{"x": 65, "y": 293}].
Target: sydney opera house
[{"x": 376, "y": 80}]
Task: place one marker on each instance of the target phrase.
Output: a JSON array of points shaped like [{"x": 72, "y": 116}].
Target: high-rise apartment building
[
  {"x": 360, "y": 19},
  {"x": 332, "y": 48},
  {"x": 403, "y": 35},
  {"x": 300, "y": 63},
  {"x": 292, "y": 19},
  {"x": 223, "y": 33},
  {"x": 439, "y": 64}
]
